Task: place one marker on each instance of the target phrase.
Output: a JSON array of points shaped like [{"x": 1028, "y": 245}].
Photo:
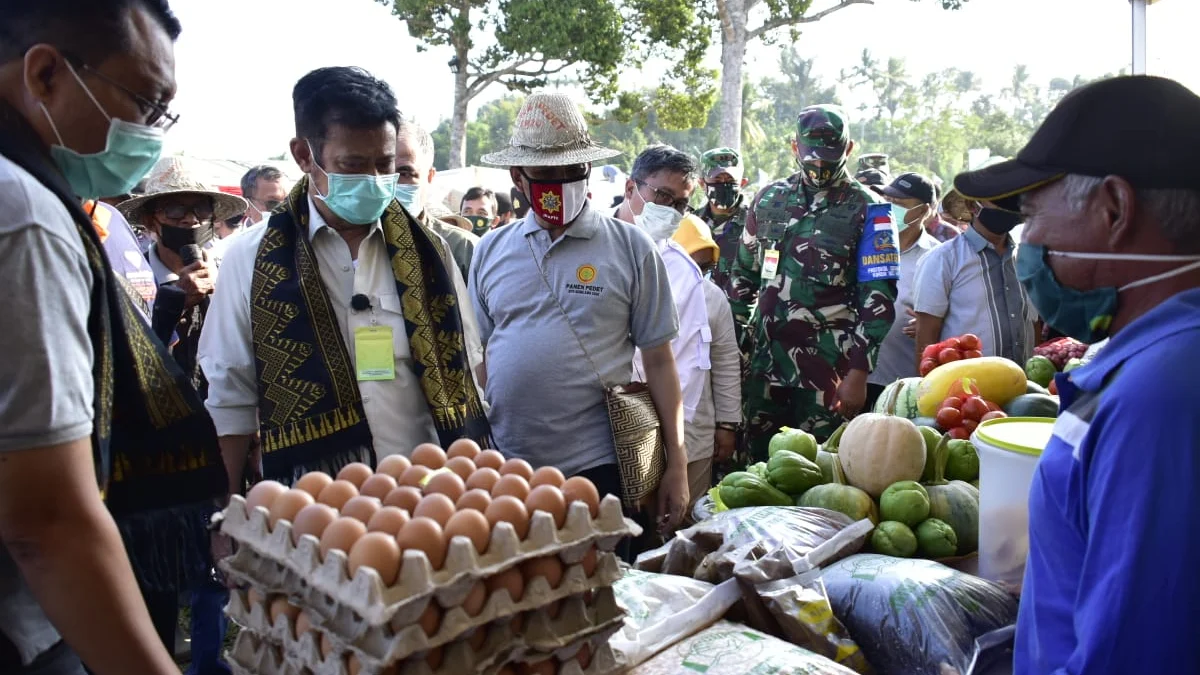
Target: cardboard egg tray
[
  {"x": 604, "y": 660},
  {"x": 366, "y": 595}
]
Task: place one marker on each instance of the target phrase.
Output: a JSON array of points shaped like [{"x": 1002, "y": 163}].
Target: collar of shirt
[
  {"x": 926, "y": 241},
  {"x": 667, "y": 245},
  {"x": 162, "y": 275},
  {"x": 584, "y": 226},
  {"x": 978, "y": 243},
  {"x": 1181, "y": 312},
  {"x": 316, "y": 222}
]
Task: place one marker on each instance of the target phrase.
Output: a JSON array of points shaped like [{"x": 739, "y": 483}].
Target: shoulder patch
[{"x": 878, "y": 249}]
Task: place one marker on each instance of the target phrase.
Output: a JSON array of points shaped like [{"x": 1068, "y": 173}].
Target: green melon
[{"x": 904, "y": 393}]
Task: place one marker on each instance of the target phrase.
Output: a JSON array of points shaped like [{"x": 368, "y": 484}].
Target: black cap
[
  {"x": 503, "y": 204},
  {"x": 910, "y": 186},
  {"x": 1139, "y": 127},
  {"x": 871, "y": 177}
]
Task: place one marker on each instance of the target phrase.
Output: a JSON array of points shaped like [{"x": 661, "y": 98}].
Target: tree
[
  {"x": 490, "y": 130},
  {"x": 529, "y": 41}
]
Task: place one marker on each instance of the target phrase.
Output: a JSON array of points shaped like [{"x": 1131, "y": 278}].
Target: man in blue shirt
[{"x": 1112, "y": 248}]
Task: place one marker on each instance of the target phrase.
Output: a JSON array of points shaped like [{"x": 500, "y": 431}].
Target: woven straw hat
[
  {"x": 171, "y": 176},
  {"x": 550, "y": 131}
]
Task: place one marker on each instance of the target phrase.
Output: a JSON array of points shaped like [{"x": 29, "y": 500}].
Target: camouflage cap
[
  {"x": 722, "y": 160},
  {"x": 822, "y": 133}
]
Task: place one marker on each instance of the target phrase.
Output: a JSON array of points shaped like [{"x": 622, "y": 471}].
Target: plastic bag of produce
[
  {"x": 664, "y": 609},
  {"x": 916, "y": 617},
  {"x": 732, "y": 649},
  {"x": 759, "y": 544},
  {"x": 802, "y": 614}
]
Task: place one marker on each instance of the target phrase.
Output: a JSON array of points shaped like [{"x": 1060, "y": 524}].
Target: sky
[{"x": 237, "y": 60}]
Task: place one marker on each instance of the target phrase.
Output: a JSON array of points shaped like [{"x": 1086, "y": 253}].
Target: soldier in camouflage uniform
[
  {"x": 816, "y": 328},
  {"x": 723, "y": 177}
]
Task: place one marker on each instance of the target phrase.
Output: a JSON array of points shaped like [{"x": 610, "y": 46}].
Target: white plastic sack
[{"x": 664, "y": 609}]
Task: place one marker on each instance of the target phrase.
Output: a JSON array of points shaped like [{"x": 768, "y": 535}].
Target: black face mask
[
  {"x": 723, "y": 195},
  {"x": 175, "y": 238},
  {"x": 997, "y": 221},
  {"x": 479, "y": 225}
]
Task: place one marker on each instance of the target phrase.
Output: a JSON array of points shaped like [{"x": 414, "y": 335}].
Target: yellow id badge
[
  {"x": 770, "y": 265},
  {"x": 374, "y": 358}
]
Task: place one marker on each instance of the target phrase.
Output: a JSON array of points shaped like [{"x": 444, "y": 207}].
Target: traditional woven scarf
[
  {"x": 155, "y": 447},
  {"x": 310, "y": 408}
]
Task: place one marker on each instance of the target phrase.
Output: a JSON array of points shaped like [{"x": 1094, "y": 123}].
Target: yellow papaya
[{"x": 998, "y": 379}]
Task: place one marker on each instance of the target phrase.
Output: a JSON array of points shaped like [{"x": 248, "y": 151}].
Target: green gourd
[
  {"x": 838, "y": 496},
  {"x": 954, "y": 502}
]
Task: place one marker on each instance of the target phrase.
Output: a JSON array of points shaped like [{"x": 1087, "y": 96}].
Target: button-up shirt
[
  {"x": 721, "y": 399},
  {"x": 396, "y": 409}
]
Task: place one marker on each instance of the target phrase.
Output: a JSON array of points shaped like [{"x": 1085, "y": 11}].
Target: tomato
[
  {"x": 992, "y": 407},
  {"x": 972, "y": 354},
  {"x": 927, "y": 366},
  {"x": 1053, "y": 388},
  {"x": 948, "y": 354},
  {"x": 948, "y": 418},
  {"x": 963, "y": 388},
  {"x": 969, "y": 425},
  {"x": 960, "y": 434},
  {"x": 994, "y": 415},
  {"x": 970, "y": 341},
  {"x": 951, "y": 343},
  {"x": 931, "y": 352},
  {"x": 974, "y": 408},
  {"x": 951, "y": 402}
]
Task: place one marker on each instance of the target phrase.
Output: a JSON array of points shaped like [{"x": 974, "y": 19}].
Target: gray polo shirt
[
  {"x": 547, "y": 406},
  {"x": 975, "y": 290},
  {"x": 898, "y": 353}
]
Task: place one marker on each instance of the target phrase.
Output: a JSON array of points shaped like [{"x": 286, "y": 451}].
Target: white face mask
[{"x": 660, "y": 222}]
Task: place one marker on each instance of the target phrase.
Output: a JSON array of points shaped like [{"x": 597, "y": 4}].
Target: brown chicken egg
[
  {"x": 483, "y": 479},
  {"x": 362, "y": 508},
  {"x": 463, "y": 447},
  {"x": 479, "y": 638},
  {"x": 584, "y": 656},
  {"x": 472, "y": 525},
  {"x": 511, "y": 510},
  {"x": 313, "y": 482},
  {"x": 424, "y": 534},
  {"x": 553, "y": 609},
  {"x": 548, "y": 566},
  {"x": 510, "y": 580},
  {"x": 489, "y": 459},
  {"x": 431, "y": 618},
  {"x": 475, "y": 600},
  {"x": 580, "y": 489},
  {"x": 475, "y": 500},
  {"x": 287, "y": 505},
  {"x": 546, "y": 667},
  {"x": 342, "y": 535},
  {"x": 255, "y": 597},
  {"x": 393, "y": 465},
  {"x": 312, "y": 519},
  {"x": 549, "y": 499},
  {"x": 415, "y": 476},
  {"x": 547, "y": 475},
  {"x": 429, "y": 455},
  {"x": 445, "y": 482},
  {"x": 326, "y": 645},
  {"x": 303, "y": 625},
  {"x": 378, "y": 551},
  {"x": 389, "y": 520},
  {"x": 437, "y": 507},
  {"x": 355, "y": 472},
  {"x": 337, "y": 493},
  {"x": 461, "y": 466},
  {"x": 281, "y": 607},
  {"x": 512, "y": 485},
  {"x": 589, "y": 561},
  {"x": 405, "y": 497},
  {"x": 517, "y": 466},
  {"x": 353, "y": 665},
  {"x": 378, "y": 486},
  {"x": 434, "y": 658},
  {"x": 264, "y": 493}
]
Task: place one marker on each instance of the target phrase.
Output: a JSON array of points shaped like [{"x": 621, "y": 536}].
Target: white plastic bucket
[{"x": 1009, "y": 449}]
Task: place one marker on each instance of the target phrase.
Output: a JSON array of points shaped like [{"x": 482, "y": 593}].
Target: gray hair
[
  {"x": 419, "y": 136},
  {"x": 261, "y": 172},
  {"x": 1176, "y": 210}
]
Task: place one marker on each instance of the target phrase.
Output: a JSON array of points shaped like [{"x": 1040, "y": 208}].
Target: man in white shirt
[{"x": 337, "y": 331}]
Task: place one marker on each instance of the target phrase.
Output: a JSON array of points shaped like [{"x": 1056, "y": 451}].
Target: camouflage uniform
[
  {"x": 814, "y": 320},
  {"x": 726, "y": 228}
]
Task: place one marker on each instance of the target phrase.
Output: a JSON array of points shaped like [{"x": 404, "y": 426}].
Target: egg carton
[
  {"x": 383, "y": 645},
  {"x": 605, "y": 660},
  {"x": 366, "y": 595}
]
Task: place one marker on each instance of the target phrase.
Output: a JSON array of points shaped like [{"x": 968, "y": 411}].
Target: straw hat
[
  {"x": 550, "y": 131},
  {"x": 172, "y": 176}
]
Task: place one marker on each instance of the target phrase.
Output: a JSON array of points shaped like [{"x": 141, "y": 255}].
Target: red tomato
[
  {"x": 948, "y": 418},
  {"x": 951, "y": 402},
  {"x": 931, "y": 352},
  {"x": 972, "y": 354},
  {"x": 927, "y": 366},
  {"x": 951, "y": 343},
  {"x": 963, "y": 388},
  {"x": 960, "y": 433},
  {"x": 948, "y": 354},
  {"x": 970, "y": 341},
  {"x": 994, "y": 415},
  {"x": 1053, "y": 388},
  {"x": 992, "y": 407},
  {"x": 974, "y": 408},
  {"x": 969, "y": 425}
]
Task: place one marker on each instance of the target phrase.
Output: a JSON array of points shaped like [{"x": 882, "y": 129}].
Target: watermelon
[{"x": 905, "y": 393}]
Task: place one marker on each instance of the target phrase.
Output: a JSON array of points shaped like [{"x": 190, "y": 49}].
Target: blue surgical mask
[
  {"x": 358, "y": 199},
  {"x": 409, "y": 197},
  {"x": 129, "y": 153},
  {"x": 899, "y": 214},
  {"x": 1083, "y": 315}
]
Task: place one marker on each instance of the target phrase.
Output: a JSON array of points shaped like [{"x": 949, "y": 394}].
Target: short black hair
[
  {"x": 92, "y": 30},
  {"x": 503, "y": 203},
  {"x": 662, "y": 158},
  {"x": 478, "y": 193},
  {"x": 250, "y": 178},
  {"x": 342, "y": 95}
]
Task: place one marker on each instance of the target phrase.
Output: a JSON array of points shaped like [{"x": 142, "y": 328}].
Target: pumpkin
[
  {"x": 837, "y": 496},
  {"x": 998, "y": 380},
  {"x": 954, "y": 502},
  {"x": 878, "y": 450},
  {"x": 899, "y": 398},
  {"x": 826, "y": 460}
]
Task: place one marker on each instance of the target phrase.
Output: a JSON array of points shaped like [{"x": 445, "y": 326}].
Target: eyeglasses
[
  {"x": 272, "y": 204},
  {"x": 156, "y": 114},
  {"x": 178, "y": 211},
  {"x": 664, "y": 198}
]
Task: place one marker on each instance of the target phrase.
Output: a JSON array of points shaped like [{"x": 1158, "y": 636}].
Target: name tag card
[
  {"x": 770, "y": 265},
  {"x": 374, "y": 358}
]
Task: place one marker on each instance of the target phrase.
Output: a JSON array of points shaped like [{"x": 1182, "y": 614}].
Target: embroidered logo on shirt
[{"x": 586, "y": 274}]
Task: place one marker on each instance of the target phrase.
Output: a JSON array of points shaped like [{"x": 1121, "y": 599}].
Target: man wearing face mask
[
  {"x": 342, "y": 298},
  {"x": 912, "y": 197},
  {"x": 970, "y": 286},
  {"x": 818, "y": 262},
  {"x": 101, "y": 433},
  {"x": 478, "y": 205},
  {"x": 723, "y": 177},
  {"x": 1112, "y": 248},
  {"x": 563, "y": 298},
  {"x": 262, "y": 186}
]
